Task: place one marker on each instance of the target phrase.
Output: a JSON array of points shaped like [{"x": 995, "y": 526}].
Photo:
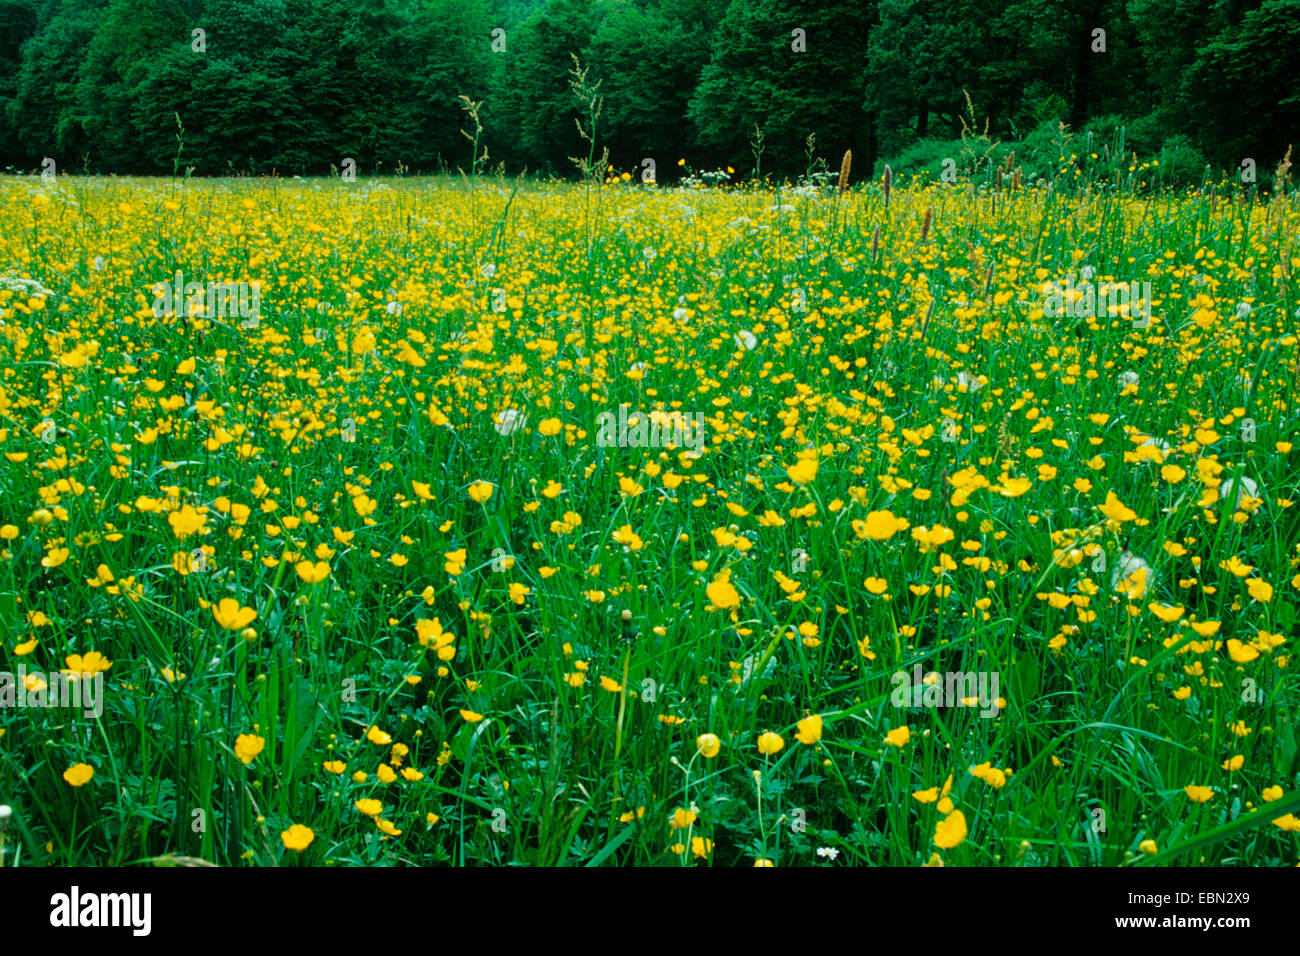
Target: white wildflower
[
  {"x": 1132, "y": 576},
  {"x": 1246, "y": 488},
  {"x": 508, "y": 421}
]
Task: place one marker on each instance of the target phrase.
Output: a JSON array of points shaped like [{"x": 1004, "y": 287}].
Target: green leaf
[
  {"x": 608, "y": 849},
  {"x": 1261, "y": 817},
  {"x": 1285, "y": 615}
]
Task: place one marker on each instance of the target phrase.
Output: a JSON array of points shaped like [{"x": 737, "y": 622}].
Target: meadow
[{"x": 497, "y": 522}]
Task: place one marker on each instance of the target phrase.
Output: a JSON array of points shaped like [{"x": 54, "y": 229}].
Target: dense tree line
[{"x": 295, "y": 86}]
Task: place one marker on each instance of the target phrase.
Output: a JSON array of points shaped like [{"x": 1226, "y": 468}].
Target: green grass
[{"x": 895, "y": 354}]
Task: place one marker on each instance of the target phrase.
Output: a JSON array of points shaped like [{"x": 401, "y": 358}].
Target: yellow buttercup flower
[
  {"x": 186, "y": 522},
  {"x": 1014, "y": 487},
  {"x": 681, "y": 818},
  {"x": 950, "y": 831},
  {"x": 880, "y": 526},
  {"x": 991, "y": 775},
  {"x": 1115, "y": 509},
  {"x": 628, "y": 538},
  {"x": 248, "y": 746},
  {"x": 899, "y": 736},
  {"x": 1165, "y": 612},
  {"x": 78, "y": 774},
  {"x": 930, "y": 538},
  {"x": 803, "y": 471},
  {"x": 231, "y": 616},
  {"x": 92, "y": 663},
  {"x": 810, "y": 730},
  {"x": 1260, "y": 590},
  {"x": 1241, "y": 653},
  {"x": 722, "y": 592},
  {"x": 297, "y": 837},
  {"x": 430, "y": 633},
  {"x": 312, "y": 572}
]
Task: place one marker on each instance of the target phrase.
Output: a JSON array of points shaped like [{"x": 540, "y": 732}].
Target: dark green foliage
[
  {"x": 649, "y": 61},
  {"x": 43, "y": 112},
  {"x": 17, "y": 26},
  {"x": 532, "y": 116},
  {"x": 116, "y": 62},
  {"x": 1245, "y": 85},
  {"x": 297, "y": 86},
  {"x": 758, "y": 77}
]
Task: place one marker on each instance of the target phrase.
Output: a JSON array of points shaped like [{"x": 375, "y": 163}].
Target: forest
[{"x": 766, "y": 87}]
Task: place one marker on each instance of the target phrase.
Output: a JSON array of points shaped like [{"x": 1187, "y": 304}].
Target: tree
[
  {"x": 44, "y": 110},
  {"x": 1244, "y": 86},
  {"x": 455, "y": 37},
  {"x": 18, "y": 22},
  {"x": 532, "y": 114},
  {"x": 649, "y": 60},
  {"x": 791, "y": 67},
  {"x": 130, "y": 35}
]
